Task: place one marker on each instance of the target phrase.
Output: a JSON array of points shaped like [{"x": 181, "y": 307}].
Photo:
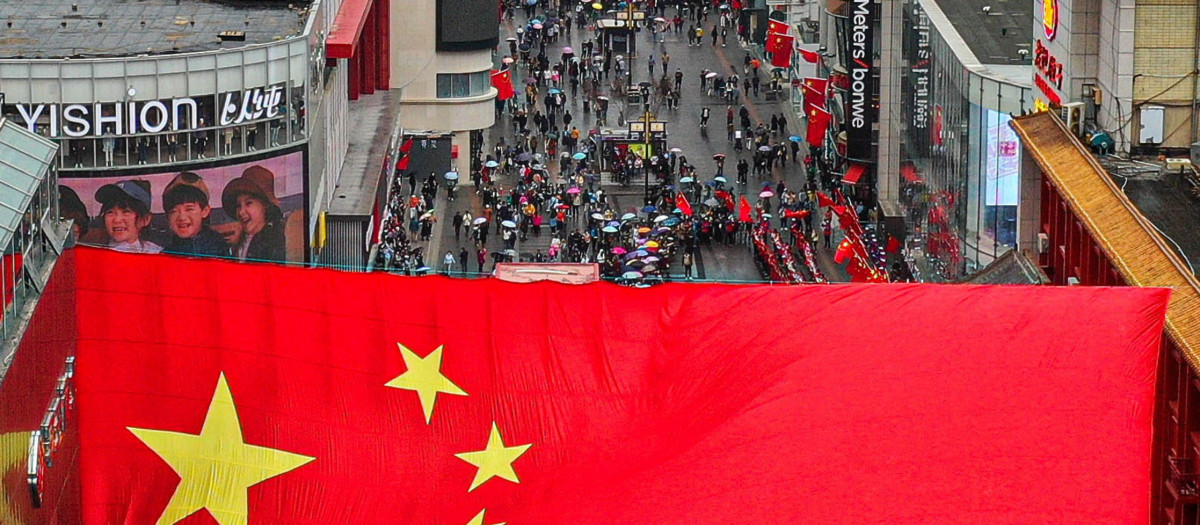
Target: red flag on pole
[
  {"x": 777, "y": 27},
  {"x": 783, "y": 58},
  {"x": 893, "y": 245},
  {"x": 814, "y": 93},
  {"x": 502, "y": 81},
  {"x": 778, "y": 43},
  {"x": 682, "y": 203},
  {"x": 818, "y": 122},
  {"x": 407, "y": 146},
  {"x": 402, "y": 164},
  {"x": 810, "y": 56},
  {"x": 744, "y": 210},
  {"x": 845, "y": 249},
  {"x": 823, "y": 200}
]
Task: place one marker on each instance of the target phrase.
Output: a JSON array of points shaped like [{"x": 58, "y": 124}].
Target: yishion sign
[{"x": 860, "y": 113}]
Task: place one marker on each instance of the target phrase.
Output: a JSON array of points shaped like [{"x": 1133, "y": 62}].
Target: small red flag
[
  {"x": 744, "y": 210},
  {"x": 823, "y": 200},
  {"x": 818, "y": 122},
  {"x": 893, "y": 245},
  {"x": 813, "y": 95},
  {"x": 402, "y": 164},
  {"x": 845, "y": 249},
  {"x": 407, "y": 146},
  {"x": 682, "y": 203},
  {"x": 777, "y": 27},
  {"x": 777, "y": 43},
  {"x": 502, "y": 81},
  {"x": 810, "y": 56},
  {"x": 783, "y": 57}
]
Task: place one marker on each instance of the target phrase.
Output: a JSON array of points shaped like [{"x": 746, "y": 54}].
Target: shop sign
[
  {"x": 1050, "y": 18},
  {"x": 46, "y": 440},
  {"x": 860, "y": 116},
  {"x": 251, "y": 105},
  {"x": 1049, "y": 76},
  {"x": 921, "y": 60}
]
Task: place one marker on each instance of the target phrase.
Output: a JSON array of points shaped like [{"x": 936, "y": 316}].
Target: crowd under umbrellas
[{"x": 545, "y": 177}]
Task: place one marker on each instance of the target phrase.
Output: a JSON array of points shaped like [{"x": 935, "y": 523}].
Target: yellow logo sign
[{"x": 1050, "y": 18}]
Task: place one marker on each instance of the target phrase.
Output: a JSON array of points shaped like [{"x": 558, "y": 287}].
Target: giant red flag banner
[{"x": 217, "y": 392}]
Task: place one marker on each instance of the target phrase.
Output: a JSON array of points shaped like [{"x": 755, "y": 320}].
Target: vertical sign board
[
  {"x": 860, "y": 111},
  {"x": 1051, "y": 52}
]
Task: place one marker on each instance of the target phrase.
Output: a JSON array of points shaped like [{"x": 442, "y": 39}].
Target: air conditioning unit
[
  {"x": 1072, "y": 281},
  {"x": 1072, "y": 115},
  {"x": 1043, "y": 244}
]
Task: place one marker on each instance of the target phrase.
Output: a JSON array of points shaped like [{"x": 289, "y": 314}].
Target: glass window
[{"x": 462, "y": 85}]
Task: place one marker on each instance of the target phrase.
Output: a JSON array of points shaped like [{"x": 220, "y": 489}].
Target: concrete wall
[
  {"x": 1114, "y": 75},
  {"x": 1165, "y": 48}
]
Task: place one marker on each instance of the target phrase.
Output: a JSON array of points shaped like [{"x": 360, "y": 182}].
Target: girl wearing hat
[{"x": 250, "y": 200}]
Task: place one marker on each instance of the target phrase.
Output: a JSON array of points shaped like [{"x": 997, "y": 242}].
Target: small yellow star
[
  {"x": 478, "y": 519},
  {"x": 495, "y": 460},
  {"x": 424, "y": 376},
  {"x": 216, "y": 467}
]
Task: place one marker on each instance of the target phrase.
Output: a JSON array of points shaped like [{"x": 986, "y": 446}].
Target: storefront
[
  {"x": 229, "y": 122},
  {"x": 959, "y": 169}
]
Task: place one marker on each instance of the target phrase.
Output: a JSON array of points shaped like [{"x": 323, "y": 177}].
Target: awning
[
  {"x": 347, "y": 28},
  {"x": 853, "y": 173},
  {"x": 909, "y": 172}
]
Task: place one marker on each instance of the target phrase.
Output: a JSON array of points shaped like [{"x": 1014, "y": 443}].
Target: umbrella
[
  {"x": 510, "y": 252},
  {"x": 711, "y": 202},
  {"x": 536, "y": 26},
  {"x": 723, "y": 6},
  {"x": 530, "y": 80},
  {"x": 721, "y": 179},
  {"x": 524, "y": 157},
  {"x": 554, "y": 91},
  {"x": 491, "y": 164},
  {"x": 618, "y": 57},
  {"x": 479, "y": 220},
  {"x": 794, "y": 138},
  {"x": 511, "y": 39},
  {"x": 766, "y": 194},
  {"x": 531, "y": 2},
  {"x": 651, "y": 259},
  {"x": 686, "y": 180},
  {"x": 650, "y": 208},
  {"x": 711, "y": 75},
  {"x": 597, "y": 6},
  {"x": 635, "y": 264},
  {"x": 766, "y": 215},
  {"x": 427, "y": 215},
  {"x": 639, "y": 253},
  {"x": 610, "y": 229},
  {"x": 598, "y": 216},
  {"x": 628, "y": 217},
  {"x": 659, "y": 19},
  {"x": 764, "y": 148},
  {"x": 563, "y": 206},
  {"x": 560, "y": 180},
  {"x": 718, "y": 156},
  {"x": 632, "y": 275},
  {"x": 573, "y": 190},
  {"x": 662, "y": 229},
  {"x": 619, "y": 250},
  {"x": 568, "y": 51},
  {"x": 603, "y": 98},
  {"x": 508, "y": 224},
  {"x": 676, "y": 150},
  {"x": 579, "y": 156},
  {"x": 614, "y": 224},
  {"x": 507, "y": 60},
  {"x": 643, "y": 230},
  {"x": 649, "y": 268},
  {"x": 671, "y": 221},
  {"x": 451, "y": 175},
  {"x": 652, "y": 244},
  {"x": 660, "y": 218}
]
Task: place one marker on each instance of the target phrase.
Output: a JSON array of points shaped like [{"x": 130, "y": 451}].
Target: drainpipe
[{"x": 1196, "y": 79}]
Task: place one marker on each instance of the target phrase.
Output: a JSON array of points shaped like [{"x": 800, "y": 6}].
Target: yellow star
[
  {"x": 14, "y": 451},
  {"x": 424, "y": 376},
  {"x": 478, "y": 519},
  {"x": 216, "y": 467},
  {"x": 495, "y": 460}
]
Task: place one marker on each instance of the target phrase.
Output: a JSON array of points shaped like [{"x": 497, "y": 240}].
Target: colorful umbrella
[
  {"x": 573, "y": 190},
  {"x": 579, "y": 156},
  {"x": 766, "y": 194}
]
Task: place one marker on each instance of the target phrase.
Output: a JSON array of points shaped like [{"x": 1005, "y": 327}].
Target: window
[{"x": 462, "y": 85}]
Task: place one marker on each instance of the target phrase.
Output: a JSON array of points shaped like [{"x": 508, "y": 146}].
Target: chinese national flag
[
  {"x": 682, "y": 203},
  {"x": 818, "y": 122},
  {"x": 778, "y": 43},
  {"x": 823, "y": 200},
  {"x": 777, "y": 27},
  {"x": 893, "y": 245},
  {"x": 744, "y": 210},
  {"x": 213, "y": 392},
  {"x": 407, "y": 145},
  {"x": 502, "y": 81},
  {"x": 814, "y": 92},
  {"x": 810, "y": 56},
  {"x": 784, "y": 57},
  {"x": 402, "y": 164}
]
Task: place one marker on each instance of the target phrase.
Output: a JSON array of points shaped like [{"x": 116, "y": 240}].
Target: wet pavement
[{"x": 725, "y": 263}]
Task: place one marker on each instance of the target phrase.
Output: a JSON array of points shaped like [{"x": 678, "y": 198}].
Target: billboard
[
  {"x": 860, "y": 109},
  {"x": 250, "y": 211},
  {"x": 1002, "y": 161},
  {"x": 467, "y": 25}
]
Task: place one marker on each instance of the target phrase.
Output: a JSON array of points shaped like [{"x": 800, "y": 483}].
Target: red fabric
[
  {"x": 844, "y": 250},
  {"x": 823, "y": 200},
  {"x": 402, "y": 164},
  {"x": 776, "y": 26},
  {"x": 893, "y": 245},
  {"x": 854, "y": 173},
  {"x": 502, "y": 81},
  {"x": 810, "y": 56},
  {"x": 922, "y": 410},
  {"x": 783, "y": 57},
  {"x": 744, "y": 210},
  {"x": 778, "y": 43},
  {"x": 407, "y": 145},
  {"x": 682, "y": 203},
  {"x": 814, "y": 92},
  {"x": 818, "y": 122}
]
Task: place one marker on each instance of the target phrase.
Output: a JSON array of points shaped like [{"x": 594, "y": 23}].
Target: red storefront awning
[
  {"x": 854, "y": 173},
  {"x": 347, "y": 28}
]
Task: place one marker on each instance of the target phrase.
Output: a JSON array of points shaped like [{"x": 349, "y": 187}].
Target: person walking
[
  {"x": 687, "y": 265},
  {"x": 457, "y": 222},
  {"x": 462, "y": 259},
  {"x": 481, "y": 257},
  {"x": 448, "y": 263}
]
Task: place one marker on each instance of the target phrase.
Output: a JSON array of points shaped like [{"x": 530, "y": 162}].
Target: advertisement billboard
[
  {"x": 251, "y": 211},
  {"x": 1002, "y": 163},
  {"x": 860, "y": 109}
]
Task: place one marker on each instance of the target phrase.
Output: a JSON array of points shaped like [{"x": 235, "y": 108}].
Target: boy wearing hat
[
  {"x": 250, "y": 200},
  {"x": 186, "y": 202},
  {"x": 125, "y": 208}
]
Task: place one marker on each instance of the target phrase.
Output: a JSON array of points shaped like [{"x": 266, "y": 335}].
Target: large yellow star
[
  {"x": 478, "y": 519},
  {"x": 216, "y": 467},
  {"x": 424, "y": 376},
  {"x": 14, "y": 452},
  {"x": 494, "y": 461}
]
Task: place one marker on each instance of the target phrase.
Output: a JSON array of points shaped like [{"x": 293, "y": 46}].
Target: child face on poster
[
  {"x": 124, "y": 224},
  {"x": 187, "y": 219},
  {"x": 252, "y": 213}
]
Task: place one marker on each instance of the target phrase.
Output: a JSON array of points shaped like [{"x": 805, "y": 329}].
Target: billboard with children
[{"x": 251, "y": 211}]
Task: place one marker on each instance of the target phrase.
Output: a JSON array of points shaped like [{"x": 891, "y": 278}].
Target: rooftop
[
  {"x": 105, "y": 28},
  {"x": 994, "y": 35}
]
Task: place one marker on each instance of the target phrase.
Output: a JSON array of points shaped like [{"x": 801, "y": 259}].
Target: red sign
[
  {"x": 1049, "y": 77},
  {"x": 1050, "y": 18}
]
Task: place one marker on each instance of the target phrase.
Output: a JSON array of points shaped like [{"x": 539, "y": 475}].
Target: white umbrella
[
  {"x": 508, "y": 224},
  {"x": 479, "y": 220},
  {"x": 766, "y": 194}
]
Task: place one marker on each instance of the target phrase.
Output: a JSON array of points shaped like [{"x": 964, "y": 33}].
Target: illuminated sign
[
  {"x": 1049, "y": 76},
  {"x": 920, "y": 61},
  {"x": 1050, "y": 18},
  {"x": 46, "y": 440}
]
